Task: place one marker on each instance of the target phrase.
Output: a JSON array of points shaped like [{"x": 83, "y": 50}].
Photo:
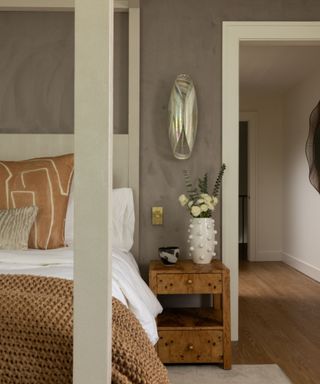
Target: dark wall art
[{"x": 313, "y": 148}]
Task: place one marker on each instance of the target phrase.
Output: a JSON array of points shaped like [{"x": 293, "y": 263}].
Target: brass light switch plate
[{"x": 157, "y": 215}]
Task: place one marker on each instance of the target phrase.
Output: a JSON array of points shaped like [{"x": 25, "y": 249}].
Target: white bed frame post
[
  {"x": 93, "y": 191},
  {"x": 134, "y": 112}
]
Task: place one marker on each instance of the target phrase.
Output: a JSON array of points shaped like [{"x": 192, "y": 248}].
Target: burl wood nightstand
[{"x": 193, "y": 335}]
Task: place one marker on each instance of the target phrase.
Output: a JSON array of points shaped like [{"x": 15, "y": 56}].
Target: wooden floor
[{"x": 279, "y": 320}]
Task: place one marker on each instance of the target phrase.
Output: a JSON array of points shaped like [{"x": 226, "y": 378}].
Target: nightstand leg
[{"x": 227, "y": 361}]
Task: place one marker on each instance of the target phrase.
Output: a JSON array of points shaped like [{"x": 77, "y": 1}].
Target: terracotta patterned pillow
[{"x": 44, "y": 182}]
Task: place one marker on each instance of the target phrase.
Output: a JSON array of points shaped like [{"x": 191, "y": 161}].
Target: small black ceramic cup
[{"x": 169, "y": 255}]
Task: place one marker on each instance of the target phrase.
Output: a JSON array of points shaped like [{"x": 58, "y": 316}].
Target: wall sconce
[{"x": 183, "y": 117}]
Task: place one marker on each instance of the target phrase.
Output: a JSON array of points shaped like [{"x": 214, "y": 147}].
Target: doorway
[{"x": 234, "y": 33}]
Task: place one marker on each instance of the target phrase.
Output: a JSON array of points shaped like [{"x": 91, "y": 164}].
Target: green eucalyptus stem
[
  {"x": 192, "y": 192},
  {"x": 218, "y": 182}
]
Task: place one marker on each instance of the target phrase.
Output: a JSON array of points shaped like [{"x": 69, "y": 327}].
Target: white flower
[
  {"x": 183, "y": 200},
  {"x": 204, "y": 207},
  {"x": 195, "y": 211},
  {"x": 215, "y": 200},
  {"x": 190, "y": 204},
  {"x": 199, "y": 201},
  {"x": 211, "y": 206},
  {"x": 207, "y": 198}
]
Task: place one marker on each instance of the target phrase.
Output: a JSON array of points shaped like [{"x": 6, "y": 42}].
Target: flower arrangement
[{"x": 198, "y": 200}]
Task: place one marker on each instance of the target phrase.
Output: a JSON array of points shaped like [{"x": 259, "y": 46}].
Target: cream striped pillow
[{"x": 15, "y": 226}]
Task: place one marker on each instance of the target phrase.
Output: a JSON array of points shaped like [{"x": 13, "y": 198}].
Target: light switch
[{"x": 157, "y": 215}]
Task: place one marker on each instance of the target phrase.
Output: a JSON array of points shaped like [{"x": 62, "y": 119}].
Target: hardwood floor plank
[{"x": 279, "y": 320}]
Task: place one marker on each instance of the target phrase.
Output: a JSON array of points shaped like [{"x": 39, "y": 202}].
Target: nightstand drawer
[
  {"x": 196, "y": 346},
  {"x": 189, "y": 283}
]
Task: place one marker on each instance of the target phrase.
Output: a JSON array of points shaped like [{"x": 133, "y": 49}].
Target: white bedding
[{"x": 127, "y": 284}]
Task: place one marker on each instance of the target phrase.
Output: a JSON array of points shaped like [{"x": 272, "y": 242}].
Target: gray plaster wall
[
  {"x": 120, "y": 86},
  {"x": 37, "y": 72},
  {"x": 185, "y": 36}
]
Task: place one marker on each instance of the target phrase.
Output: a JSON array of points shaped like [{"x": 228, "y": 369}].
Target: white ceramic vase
[{"x": 201, "y": 240}]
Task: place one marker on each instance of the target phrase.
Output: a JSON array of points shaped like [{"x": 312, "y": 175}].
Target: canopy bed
[{"x": 35, "y": 269}]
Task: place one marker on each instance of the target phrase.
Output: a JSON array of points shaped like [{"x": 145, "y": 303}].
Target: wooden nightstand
[{"x": 193, "y": 335}]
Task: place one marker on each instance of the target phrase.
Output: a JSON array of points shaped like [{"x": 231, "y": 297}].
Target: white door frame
[
  {"x": 233, "y": 34},
  {"x": 252, "y": 119}
]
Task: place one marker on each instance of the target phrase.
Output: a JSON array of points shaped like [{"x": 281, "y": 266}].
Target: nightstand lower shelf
[
  {"x": 189, "y": 319},
  {"x": 188, "y": 335}
]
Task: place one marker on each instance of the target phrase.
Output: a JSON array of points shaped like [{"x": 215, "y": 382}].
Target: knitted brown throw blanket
[
  {"x": 36, "y": 336},
  {"x": 134, "y": 359}
]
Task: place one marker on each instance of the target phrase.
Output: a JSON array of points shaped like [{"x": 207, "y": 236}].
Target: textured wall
[
  {"x": 36, "y": 72},
  {"x": 186, "y": 36},
  {"x": 120, "y": 96}
]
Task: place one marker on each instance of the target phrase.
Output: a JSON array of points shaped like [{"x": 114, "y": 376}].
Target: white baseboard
[
  {"x": 268, "y": 256},
  {"x": 301, "y": 266}
]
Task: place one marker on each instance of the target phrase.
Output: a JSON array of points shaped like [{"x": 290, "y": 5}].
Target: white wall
[
  {"x": 301, "y": 209},
  {"x": 287, "y": 206},
  {"x": 269, "y": 132}
]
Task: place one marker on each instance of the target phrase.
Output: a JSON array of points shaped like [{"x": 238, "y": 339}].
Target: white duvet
[{"x": 127, "y": 284}]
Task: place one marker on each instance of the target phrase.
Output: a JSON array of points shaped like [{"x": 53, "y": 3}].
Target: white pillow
[{"x": 122, "y": 219}]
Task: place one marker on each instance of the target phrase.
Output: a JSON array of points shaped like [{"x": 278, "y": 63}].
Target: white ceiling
[{"x": 276, "y": 68}]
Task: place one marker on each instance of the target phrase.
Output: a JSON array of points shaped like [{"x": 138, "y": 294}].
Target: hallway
[{"x": 279, "y": 317}]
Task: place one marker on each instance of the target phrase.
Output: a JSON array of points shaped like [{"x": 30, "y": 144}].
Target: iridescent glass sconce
[
  {"x": 313, "y": 148},
  {"x": 183, "y": 117}
]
